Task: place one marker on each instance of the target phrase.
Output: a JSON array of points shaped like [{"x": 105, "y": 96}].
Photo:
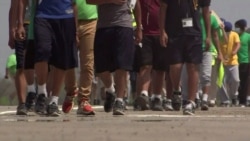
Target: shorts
[
  {"x": 151, "y": 53},
  {"x": 29, "y": 60},
  {"x": 185, "y": 49},
  {"x": 20, "y": 51},
  {"x": 55, "y": 42},
  {"x": 113, "y": 49}
]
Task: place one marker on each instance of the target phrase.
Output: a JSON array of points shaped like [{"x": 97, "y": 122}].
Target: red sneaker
[
  {"x": 85, "y": 108},
  {"x": 68, "y": 103}
]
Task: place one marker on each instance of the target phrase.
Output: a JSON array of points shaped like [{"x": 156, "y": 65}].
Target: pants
[
  {"x": 243, "y": 73},
  {"x": 229, "y": 89}
]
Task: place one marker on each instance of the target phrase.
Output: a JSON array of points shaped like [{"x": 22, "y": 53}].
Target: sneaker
[
  {"x": 156, "y": 104},
  {"x": 248, "y": 103},
  {"x": 225, "y": 104},
  {"x": 109, "y": 102},
  {"x": 118, "y": 108},
  {"x": 40, "y": 106},
  {"x": 184, "y": 103},
  {"x": 204, "y": 106},
  {"x": 68, "y": 102},
  {"x": 197, "y": 103},
  {"x": 141, "y": 103},
  {"x": 235, "y": 102},
  {"x": 84, "y": 108},
  {"x": 211, "y": 103},
  {"x": 53, "y": 110},
  {"x": 167, "y": 105},
  {"x": 176, "y": 101},
  {"x": 30, "y": 101},
  {"x": 189, "y": 109},
  {"x": 21, "y": 109}
]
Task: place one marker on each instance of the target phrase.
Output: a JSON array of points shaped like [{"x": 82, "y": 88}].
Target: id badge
[
  {"x": 188, "y": 22},
  {"x": 132, "y": 4}
]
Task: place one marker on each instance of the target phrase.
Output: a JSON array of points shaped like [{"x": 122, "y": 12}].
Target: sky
[{"x": 231, "y": 10}]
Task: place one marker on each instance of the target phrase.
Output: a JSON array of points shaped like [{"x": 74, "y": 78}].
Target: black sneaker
[
  {"x": 118, "y": 108},
  {"x": 21, "y": 109},
  {"x": 248, "y": 103},
  {"x": 167, "y": 105},
  {"x": 204, "y": 105},
  {"x": 30, "y": 101},
  {"x": 141, "y": 103},
  {"x": 176, "y": 101},
  {"x": 109, "y": 102},
  {"x": 53, "y": 110},
  {"x": 40, "y": 106},
  {"x": 156, "y": 104},
  {"x": 189, "y": 109},
  {"x": 197, "y": 103},
  {"x": 235, "y": 102}
]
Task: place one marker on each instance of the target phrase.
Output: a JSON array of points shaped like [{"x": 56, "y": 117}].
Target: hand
[
  {"x": 138, "y": 36},
  {"x": 164, "y": 39},
  {"x": 220, "y": 57},
  {"x": 11, "y": 42},
  {"x": 20, "y": 34},
  {"x": 118, "y": 2},
  {"x": 208, "y": 44}
]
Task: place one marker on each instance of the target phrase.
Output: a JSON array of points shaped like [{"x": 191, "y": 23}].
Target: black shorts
[
  {"x": 151, "y": 53},
  {"x": 184, "y": 49},
  {"x": 29, "y": 55},
  {"x": 20, "y": 50},
  {"x": 113, "y": 49},
  {"x": 55, "y": 42}
]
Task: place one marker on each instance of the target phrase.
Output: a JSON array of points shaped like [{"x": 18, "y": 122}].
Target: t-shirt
[
  {"x": 214, "y": 25},
  {"x": 243, "y": 53},
  {"x": 227, "y": 49},
  {"x": 180, "y": 14},
  {"x": 54, "y": 9},
  {"x": 31, "y": 25},
  {"x": 86, "y": 11},
  {"x": 11, "y": 64},
  {"x": 150, "y": 16},
  {"x": 27, "y": 12},
  {"x": 110, "y": 15}
]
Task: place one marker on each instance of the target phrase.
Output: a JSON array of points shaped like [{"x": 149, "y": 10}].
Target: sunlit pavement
[{"x": 229, "y": 124}]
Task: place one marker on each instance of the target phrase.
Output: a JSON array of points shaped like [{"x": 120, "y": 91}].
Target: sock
[
  {"x": 152, "y": 96},
  {"x": 197, "y": 96},
  {"x": 158, "y": 96},
  {"x": 119, "y": 99},
  {"x": 42, "y": 89},
  {"x": 54, "y": 99},
  {"x": 144, "y": 92},
  {"x": 31, "y": 88},
  {"x": 111, "y": 89},
  {"x": 204, "y": 97},
  {"x": 248, "y": 98}
]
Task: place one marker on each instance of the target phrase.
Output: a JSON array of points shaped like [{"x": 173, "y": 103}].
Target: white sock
[
  {"x": 111, "y": 89},
  {"x": 42, "y": 90},
  {"x": 119, "y": 99},
  {"x": 53, "y": 99},
  {"x": 144, "y": 92},
  {"x": 155, "y": 96},
  {"x": 31, "y": 88},
  {"x": 248, "y": 98},
  {"x": 197, "y": 96},
  {"x": 204, "y": 97}
]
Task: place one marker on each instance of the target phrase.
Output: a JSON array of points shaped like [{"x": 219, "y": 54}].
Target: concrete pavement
[{"x": 217, "y": 124}]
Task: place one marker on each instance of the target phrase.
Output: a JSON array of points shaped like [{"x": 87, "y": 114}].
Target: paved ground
[{"x": 218, "y": 124}]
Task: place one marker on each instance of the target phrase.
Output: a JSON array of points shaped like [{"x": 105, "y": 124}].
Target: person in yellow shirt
[{"x": 229, "y": 90}]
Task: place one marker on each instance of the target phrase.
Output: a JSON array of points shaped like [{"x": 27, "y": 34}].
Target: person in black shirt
[{"x": 181, "y": 33}]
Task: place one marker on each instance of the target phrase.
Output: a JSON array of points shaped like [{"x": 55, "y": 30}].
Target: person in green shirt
[
  {"x": 11, "y": 66},
  {"x": 87, "y": 19},
  {"x": 243, "y": 58}
]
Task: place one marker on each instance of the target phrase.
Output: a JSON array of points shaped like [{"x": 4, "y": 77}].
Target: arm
[
  {"x": 12, "y": 22},
  {"x": 236, "y": 48},
  {"x": 162, "y": 18},
  {"x": 76, "y": 21},
  {"x": 137, "y": 14},
  {"x": 6, "y": 73},
  {"x": 21, "y": 11},
  {"x": 216, "y": 42},
  {"x": 206, "y": 15}
]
